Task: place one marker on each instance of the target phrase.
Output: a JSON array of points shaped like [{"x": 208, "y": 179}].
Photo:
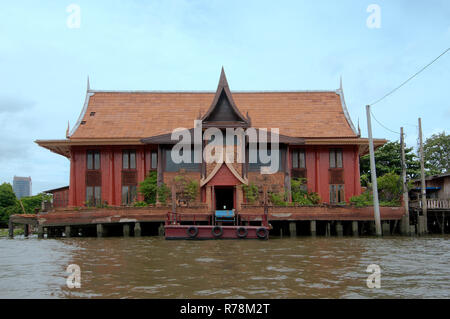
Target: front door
[{"x": 224, "y": 198}]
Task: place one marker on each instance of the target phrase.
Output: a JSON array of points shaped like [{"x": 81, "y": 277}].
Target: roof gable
[{"x": 223, "y": 111}]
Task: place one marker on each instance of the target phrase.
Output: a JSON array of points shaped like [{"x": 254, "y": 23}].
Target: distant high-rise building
[{"x": 22, "y": 186}]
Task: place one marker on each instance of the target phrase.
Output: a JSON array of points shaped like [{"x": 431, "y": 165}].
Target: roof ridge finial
[
  {"x": 359, "y": 129},
  {"x": 88, "y": 86},
  {"x": 340, "y": 83},
  {"x": 68, "y": 129}
]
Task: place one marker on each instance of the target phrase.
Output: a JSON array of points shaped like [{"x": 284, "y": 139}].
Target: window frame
[
  {"x": 131, "y": 195},
  {"x": 128, "y": 155},
  {"x": 95, "y": 201},
  {"x": 92, "y": 160},
  {"x": 153, "y": 161},
  {"x": 337, "y": 193},
  {"x": 334, "y": 155},
  {"x": 301, "y": 158}
]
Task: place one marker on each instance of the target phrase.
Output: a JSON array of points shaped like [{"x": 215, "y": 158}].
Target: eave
[{"x": 62, "y": 147}]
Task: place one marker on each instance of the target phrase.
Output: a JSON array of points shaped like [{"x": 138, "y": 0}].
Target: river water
[{"x": 151, "y": 267}]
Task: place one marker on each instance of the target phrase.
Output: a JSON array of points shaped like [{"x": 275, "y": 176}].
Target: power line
[
  {"x": 383, "y": 125},
  {"x": 413, "y": 76}
]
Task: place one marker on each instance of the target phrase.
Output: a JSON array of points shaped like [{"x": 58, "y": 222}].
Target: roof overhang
[{"x": 62, "y": 147}]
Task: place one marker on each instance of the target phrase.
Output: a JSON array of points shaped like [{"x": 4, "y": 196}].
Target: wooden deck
[{"x": 193, "y": 214}]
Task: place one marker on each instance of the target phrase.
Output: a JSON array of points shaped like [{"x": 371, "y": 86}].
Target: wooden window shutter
[
  {"x": 93, "y": 178},
  {"x": 129, "y": 178},
  {"x": 336, "y": 176}
]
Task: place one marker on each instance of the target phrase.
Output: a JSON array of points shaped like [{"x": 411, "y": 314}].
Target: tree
[
  {"x": 7, "y": 196},
  {"x": 388, "y": 159},
  {"x": 436, "y": 151}
]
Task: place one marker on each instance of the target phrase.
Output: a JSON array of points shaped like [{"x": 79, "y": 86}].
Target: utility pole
[
  {"x": 373, "y": 172},
  {"x": 405, "y": 186},
  {"x": 422, "y": 175}
]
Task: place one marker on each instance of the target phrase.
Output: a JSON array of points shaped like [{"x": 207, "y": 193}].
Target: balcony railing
[{"x": 433, "y": 203}]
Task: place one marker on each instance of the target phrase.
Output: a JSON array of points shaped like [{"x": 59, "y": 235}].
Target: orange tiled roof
[{"x": 145, "y": 114}]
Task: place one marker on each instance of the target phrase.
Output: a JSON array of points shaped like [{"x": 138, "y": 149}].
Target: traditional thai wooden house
[{"x": 121, "y": 136}]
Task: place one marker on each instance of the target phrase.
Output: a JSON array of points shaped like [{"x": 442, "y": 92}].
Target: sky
[{"x": 46, "y": 57}]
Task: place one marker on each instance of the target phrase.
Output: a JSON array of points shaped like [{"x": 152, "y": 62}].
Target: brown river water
[{"x": 151, "y": 267}]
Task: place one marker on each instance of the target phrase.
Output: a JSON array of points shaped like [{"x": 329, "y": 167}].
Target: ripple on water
[{"x": 278, "y": 268}]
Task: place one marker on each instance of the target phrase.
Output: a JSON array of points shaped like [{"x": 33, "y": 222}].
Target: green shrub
[
  {"x": 278, "y": 199},
  {"x": 149, "y": 188},
  {"x": 365, "y": 199},
  {"x": 140, "y": 204},
  {"x": 300, "y": 194},
  {"x": 251, "y": 193},
  {"x": 163, "y": 193},
  {"x": 187, "y": 189},
  {"x": 389, "y": 187}
]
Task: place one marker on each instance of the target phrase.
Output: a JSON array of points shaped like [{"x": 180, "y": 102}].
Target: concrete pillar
[
  {"x": 11, "y": 229},
  {"x": 339, "y": 229},
  {"x": 386, "y": 227},
  {"x": 404, "y": 225},
  {"x": 355, "y": 231},
  {"x": 328, "y": 229},
  {"x": 126, "y": 230},
  {"x": 312, "y": 227},
  {"x": 40, "y": 231},
  {"x": 421, "y": 225},
  {"x": 293, "y": 229},
  {"x": 100, "y": 230},
  {"x": 137, "y": 229},
  {"x": 161, "y": 230},
  {"x": 67, "y": 231}
]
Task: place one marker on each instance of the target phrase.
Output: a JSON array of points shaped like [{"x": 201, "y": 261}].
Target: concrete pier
[
  {"x": 404, "y": 225},
  {"x": 328, "y": 229},
  {"x": 161, "y": 230},
  {"x": 26, "y": 230},
  {"x": 100, "y": 230},
  {"x": 421, "y": 227},
  {"x": 67, "y": 231},
  {"x": 11, "y": 229},
  {"x": 339, "y": 229},
  {"x": 355, "y": 231},
  {"x": 386, "y": 228},
  {"x": 293, "y": 229},
  {"x": 313, "y": 227},
  {"x": 40, "y": 231},
  {"x": 126, "y": 230},
  {"x": 372, "y": 228},
  {"x": 137, "y": 230}
]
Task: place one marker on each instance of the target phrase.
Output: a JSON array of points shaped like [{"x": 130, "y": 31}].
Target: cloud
[
  {"x": 9, "y": 104},
  {"x": 12, "y": 148}
]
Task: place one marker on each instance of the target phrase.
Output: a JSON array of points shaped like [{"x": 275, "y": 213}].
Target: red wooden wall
[{"x": 317, "y": 165}]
